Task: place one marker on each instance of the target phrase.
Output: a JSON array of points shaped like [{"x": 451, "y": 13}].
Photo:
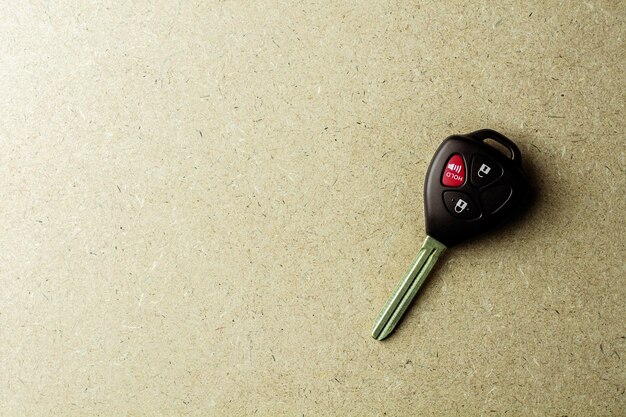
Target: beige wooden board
[{"x": 205, "y": 204}]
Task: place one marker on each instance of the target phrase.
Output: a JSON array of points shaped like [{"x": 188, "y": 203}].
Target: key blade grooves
[
  {"x": 398, "y": 296},
  {"x": 406, "y": 290},
  {"x": 408, "y": 297}
]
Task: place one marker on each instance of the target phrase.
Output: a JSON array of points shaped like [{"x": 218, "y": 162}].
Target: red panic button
[{"x": 454, "y": 174}]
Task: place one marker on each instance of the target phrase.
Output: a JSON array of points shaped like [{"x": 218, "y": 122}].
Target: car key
[{"x": 470, "y": 188}]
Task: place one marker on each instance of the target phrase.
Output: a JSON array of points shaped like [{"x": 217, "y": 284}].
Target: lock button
[{"x": 461, "y": 205}]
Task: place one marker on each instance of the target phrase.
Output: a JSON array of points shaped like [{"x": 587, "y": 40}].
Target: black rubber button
[
  {"x": 461, "y": 205},
  {"x": 494, "y": 198},
  {"x": 484, "y": 170}
]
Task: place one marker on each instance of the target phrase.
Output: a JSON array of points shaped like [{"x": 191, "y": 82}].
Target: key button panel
[
  {"x": 484, "y": 171},
  {"x": 494, "y": 198},
  {"x": 461, "y": 205}
]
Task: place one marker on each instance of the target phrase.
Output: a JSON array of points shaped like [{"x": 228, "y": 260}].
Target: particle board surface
[{"x": 205, "y": 204}]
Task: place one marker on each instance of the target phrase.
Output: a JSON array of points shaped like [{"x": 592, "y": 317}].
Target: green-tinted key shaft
[{"x": 404, "y": 293}]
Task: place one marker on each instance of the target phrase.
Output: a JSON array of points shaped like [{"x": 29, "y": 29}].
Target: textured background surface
[{"x": 204, "y": 206}]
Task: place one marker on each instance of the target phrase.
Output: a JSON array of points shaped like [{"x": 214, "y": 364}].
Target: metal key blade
[{"x": 404, "y": 293}]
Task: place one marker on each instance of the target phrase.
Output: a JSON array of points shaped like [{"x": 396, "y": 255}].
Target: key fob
[{"x": 471, "y": 187}]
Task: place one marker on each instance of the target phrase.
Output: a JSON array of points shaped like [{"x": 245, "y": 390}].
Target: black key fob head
[{"x": 471, "y": 187}]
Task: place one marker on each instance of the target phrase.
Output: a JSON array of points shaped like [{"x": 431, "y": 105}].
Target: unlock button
[
  {"x": 484, "y": 170},
  {"x": 461, "y": 205}
]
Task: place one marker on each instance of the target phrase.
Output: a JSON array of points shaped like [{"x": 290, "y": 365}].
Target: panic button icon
[{"x": 454, "y": 174}]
